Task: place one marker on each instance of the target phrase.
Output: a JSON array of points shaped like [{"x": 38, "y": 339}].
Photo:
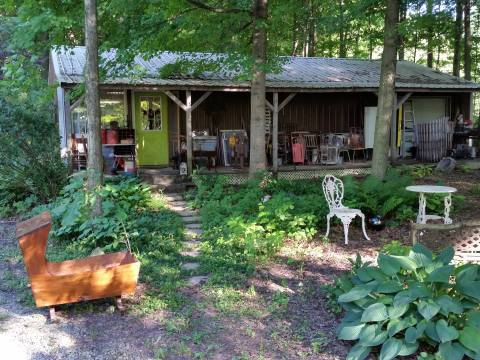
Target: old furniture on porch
[
  {"x": 333, "y": 190},
  {"x": 54, "y": 283},
  {"x": 422, "y": 217},
  {"x": 463, "y": 236}
]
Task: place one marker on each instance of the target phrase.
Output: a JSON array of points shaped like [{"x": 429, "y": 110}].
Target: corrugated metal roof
[{"x": 296, "y": 73}]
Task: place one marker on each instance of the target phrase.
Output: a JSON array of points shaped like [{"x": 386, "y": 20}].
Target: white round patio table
[{"x": 422, "y": 217}]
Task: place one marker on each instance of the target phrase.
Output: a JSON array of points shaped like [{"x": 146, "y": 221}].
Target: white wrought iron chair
[{"x": 333, "y": 190}]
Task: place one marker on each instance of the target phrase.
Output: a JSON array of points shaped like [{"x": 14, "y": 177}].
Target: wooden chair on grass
[{"x": 55, "y": 283}]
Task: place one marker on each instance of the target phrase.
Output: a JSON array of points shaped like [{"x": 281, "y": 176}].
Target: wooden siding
[{"x": 306, "y": 112}]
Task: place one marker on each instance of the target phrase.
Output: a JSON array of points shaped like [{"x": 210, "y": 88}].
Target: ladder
[{"x": 408, "y": 129}]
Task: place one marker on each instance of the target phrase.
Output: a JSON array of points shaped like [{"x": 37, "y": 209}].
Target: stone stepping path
[{"x": 193, "y": 235}]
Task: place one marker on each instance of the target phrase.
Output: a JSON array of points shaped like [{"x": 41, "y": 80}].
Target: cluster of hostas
[{"x": 418, "y": 303}]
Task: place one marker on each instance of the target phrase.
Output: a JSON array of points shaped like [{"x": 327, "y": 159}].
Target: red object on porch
[
  {"x": 113, "y": 137},
  {"x": 104, "y": 136},
  {"x": 298, "y": 153}
]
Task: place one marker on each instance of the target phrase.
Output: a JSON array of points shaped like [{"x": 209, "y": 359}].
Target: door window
[{"x": 151, "y": 112}]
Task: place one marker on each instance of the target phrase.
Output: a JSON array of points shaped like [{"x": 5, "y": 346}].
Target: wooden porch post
[
  {"x": 188, "y": 108},
  {"x": 275, "y": 133},
  {"x": 189, "y": 132},
  {"x": 275, "y": 108}
]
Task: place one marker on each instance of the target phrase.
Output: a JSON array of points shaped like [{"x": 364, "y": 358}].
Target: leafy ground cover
[{"x": 257, "y": 303}]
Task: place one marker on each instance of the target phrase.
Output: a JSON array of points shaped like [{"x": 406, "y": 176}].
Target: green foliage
[
  {"x": 125, "y": 218},
  {"x": 411, "y": 301},
  {"x": 31, "y": 168},
  {"x": 418, "y": 171},
  {"x": 253, "y": 220},
  {"x": 387, "y": 198}
]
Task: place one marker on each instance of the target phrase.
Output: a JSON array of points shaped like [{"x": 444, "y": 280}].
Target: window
[
  {"x": 112, "y": 108},
  {"x": 151, "y": 112}
]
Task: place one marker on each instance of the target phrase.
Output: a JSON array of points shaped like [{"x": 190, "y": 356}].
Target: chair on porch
[
  {"x": 311, "y": 148},
  {"x": 298, "y": 148},
  {"x": 333, "y": 190},
  {"x": 79, "y": 153}
]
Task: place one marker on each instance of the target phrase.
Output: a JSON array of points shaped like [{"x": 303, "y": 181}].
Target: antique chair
[
  {"x": 333, "y": 191},
  {"x": 54, "y": 283},
  {"x": 311, "y": 147},
  {"x": 464, "y": 237}
]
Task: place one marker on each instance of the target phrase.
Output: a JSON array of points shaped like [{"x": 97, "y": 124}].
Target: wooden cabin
[{"x": 156, "y": 122}]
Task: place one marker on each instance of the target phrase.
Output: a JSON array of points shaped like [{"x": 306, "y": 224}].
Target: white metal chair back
[{"x": 333, "y": 191}]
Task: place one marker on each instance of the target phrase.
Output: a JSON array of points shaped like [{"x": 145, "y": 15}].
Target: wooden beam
[
  {"x": 269, "y": 104},
  {"x": 402, "y": 100},
  {"x": 189, "y": 132},
  {"x": 275, "y": 110},
  {"x": 286, "y": 101},
  {"x": 200, "y": 100},
  {"x": 176, "y": 100}
]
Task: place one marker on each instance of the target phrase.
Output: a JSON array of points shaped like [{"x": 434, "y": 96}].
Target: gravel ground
[{"x": 80, "y": 333}]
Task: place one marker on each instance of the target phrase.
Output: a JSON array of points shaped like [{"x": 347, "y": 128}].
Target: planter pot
[{"x": 376, "y": 222}]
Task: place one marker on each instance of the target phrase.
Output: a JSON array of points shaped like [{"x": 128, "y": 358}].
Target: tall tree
[
  {"x": 92, "y": 102},
  {"x": 457, "y": 48},
  {"x": 257, "y": 93},
  {"x": 386, "y": 94},
  {"x": 467, "y": 48},
  {"x": 430, "y": 33}
]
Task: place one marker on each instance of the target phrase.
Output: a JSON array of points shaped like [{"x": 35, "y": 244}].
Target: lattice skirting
[{"x": 241, "y": 178}]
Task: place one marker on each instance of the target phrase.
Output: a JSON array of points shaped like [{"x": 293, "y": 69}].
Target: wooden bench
[
  {"x": 464, "y": 237},
  {"x": 54, "y": 283}
]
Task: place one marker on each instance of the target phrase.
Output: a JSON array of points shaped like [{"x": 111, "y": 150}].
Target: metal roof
[{"x": 295, "y": 73}]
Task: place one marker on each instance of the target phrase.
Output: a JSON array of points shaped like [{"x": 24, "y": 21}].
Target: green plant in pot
[{"x": 418, "y": 303}]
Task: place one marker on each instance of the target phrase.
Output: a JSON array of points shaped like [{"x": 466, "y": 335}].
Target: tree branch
[{"x": 201, "y": 5}]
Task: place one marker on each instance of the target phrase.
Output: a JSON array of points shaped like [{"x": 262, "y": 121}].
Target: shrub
[
  {"x": 126, "y": 216},
  {"x": 31, "y": 167},
  {"x": 411, "y": 302}
]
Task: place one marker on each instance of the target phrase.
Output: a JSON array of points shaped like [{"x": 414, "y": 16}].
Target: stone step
[
  {"x": 191, "y": 219},
  {"x": 193, "y": 226},
  {"x": 193, "y": 233},
  {"x": 197, "y": 280},
  {"x": 173, "y": 197},
  {"x": 190, "y": 253},
  {"x": 190, "y": 266},
  {"x": 178, "y": 208},
  {"x": 178, "y": 203},
  {"x": 191, "y": 244},
  {"x": 188, "y": 213}
]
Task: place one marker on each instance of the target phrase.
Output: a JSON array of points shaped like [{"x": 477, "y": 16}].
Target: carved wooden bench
[
  {"x": 464, "y": 237},
  {"x": 54, "y": 283}
]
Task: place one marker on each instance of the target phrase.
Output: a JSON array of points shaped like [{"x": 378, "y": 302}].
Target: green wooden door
[{"x": 151, "y": 129}]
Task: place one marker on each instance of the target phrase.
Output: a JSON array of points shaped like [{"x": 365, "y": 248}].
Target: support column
[
  {"x": 189, "y": 132},
  {"x": 188, "y": 107},
  {"x": 275, "y": 133}
]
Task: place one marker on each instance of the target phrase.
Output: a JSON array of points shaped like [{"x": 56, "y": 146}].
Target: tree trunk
[
  {"x": 343, "y": 46},
  {"x": 257, "y": 99},
  {"x": 458, "y": 38},
  {"x": 467, "y": 50},
  {"x": 430, "y": 34},
  {"x": 92, "y": 101},
  {"x": 386, "y": 94},
  {"x": 401, "y": 38}
]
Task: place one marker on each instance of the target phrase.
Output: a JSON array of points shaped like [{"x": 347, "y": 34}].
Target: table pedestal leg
[
  {"x": 422, "y": 203},
  {"x": 448, "y": 203}
]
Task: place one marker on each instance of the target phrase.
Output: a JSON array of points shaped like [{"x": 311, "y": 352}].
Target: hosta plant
[{"x": 413, "y": 304}]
